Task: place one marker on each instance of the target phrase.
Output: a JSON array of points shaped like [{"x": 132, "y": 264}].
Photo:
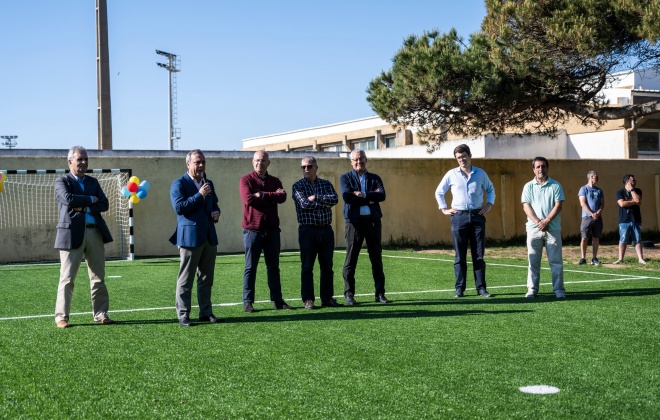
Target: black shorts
[{"x": 590, "y": 228}]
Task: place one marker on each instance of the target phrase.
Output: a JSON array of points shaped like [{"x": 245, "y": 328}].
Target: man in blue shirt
[
  {"x": 468, "y": 221},
  {"x": 81, "y": 233},
  {"x": 314, "y": 198},
  {"x": 592, "y": 203},
  {"x": 542, "y": 200}
]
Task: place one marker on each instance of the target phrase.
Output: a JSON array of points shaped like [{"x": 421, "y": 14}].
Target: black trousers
[
  {"x": 356, "y": 233},
  {"x": 316, "y": 241},
  {"x": 469, "y": 229}
]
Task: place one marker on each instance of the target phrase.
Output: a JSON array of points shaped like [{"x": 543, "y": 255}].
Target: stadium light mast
[
  {"x": 173, "y": 66},
  {"x": 9, "y": 141},
  {"x": 104, "y": 113}
]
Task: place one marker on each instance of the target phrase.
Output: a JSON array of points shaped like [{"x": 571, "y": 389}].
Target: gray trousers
[{"x": 201, "y": 261}]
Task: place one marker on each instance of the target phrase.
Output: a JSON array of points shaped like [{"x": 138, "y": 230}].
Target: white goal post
[{"x": 29, "y": 214}]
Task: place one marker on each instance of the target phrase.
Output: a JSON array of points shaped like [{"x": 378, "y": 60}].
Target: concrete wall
[{"x": 410, "y": 210}]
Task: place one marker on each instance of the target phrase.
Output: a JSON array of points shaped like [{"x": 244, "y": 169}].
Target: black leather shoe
[
  {"x": 381, "y": 298},
  {"x": 484, "y": 293},
  {"x": 350, "y": 300},
  {"x": 281, "y": 305},
  {"x": 332, "y": 303},
  {"x": 247, "y": 307},
  {"x": 185, "y": 322},
  {"x": 211, "y": 319},
  {"x": 458, "y": 294}
]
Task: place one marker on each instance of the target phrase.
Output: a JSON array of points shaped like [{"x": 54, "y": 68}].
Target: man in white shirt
[{"x": 468, "y": 221}]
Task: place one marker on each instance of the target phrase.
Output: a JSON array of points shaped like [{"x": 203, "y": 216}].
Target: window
[
  {"x": 648, "y": 142},
  {"x": 389, "y": 140},
  {"x": 333, "y": 148},
  {"x": 364, "y": 144}
]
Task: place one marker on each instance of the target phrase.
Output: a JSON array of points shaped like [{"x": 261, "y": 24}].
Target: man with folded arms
[
  {"x": 468, "y": 221},
  {"x": 81, "y": 232},
  {"x": 314, "y": 198}
]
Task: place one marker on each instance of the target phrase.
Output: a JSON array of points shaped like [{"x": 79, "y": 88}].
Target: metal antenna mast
[
  {"x": 9, "y": 141},
  {"x": 173, "y": 66}
]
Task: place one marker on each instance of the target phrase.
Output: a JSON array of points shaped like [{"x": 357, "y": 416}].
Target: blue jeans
[
  {"x": 626, "y": 230},
  {"x": 254, "y": 243},
  {"x": 469, "y": 228}
]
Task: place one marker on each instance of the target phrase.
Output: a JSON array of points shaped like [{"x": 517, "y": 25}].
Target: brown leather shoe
[
  {"x": 105, "y": 321},
  {"x": 62, "y": 324}
]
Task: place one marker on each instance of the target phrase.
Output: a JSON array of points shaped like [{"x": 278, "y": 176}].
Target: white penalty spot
[{"x": 539, "y": 389}]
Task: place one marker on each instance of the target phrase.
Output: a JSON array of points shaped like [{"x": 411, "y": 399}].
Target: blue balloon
[
  {"x": 141, "y": 194},
  {"x": 145, "y": 185},
  {"x": 125, "y": 192}
]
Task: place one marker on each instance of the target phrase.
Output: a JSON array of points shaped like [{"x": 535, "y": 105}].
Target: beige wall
[{"x": 409, "y": 211}]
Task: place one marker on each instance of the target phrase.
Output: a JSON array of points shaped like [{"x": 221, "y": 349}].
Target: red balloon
[{"x": 132, "y": 187}]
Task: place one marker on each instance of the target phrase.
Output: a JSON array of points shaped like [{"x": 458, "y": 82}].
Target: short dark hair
[
  {"x": 462, "y": 148},
  {"x": 540, "y": 159},
  {"x": 626, "y": 177}
]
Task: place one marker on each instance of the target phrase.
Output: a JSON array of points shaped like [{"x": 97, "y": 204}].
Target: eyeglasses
[{"x": 303, "y": 167}]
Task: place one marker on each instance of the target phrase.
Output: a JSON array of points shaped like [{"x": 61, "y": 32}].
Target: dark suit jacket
[
  {"x": 71, "y": 224},
  {"x": 193, "y": 213},
  {"x": 349, "y": 183}
]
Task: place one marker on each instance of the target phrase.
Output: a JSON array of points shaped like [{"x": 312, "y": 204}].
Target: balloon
[
  {"x": 132, "y": 186},
  {"x": 125, "y": 192},
  {"x": 141, "y": 194},
  {"x": 145, "y": 185},
  {"x": 134, "y": 199},
  {"x": 134, "y": 179},
  {"x": 2, "y": 187},
  {"x": 2, "y": 177}
]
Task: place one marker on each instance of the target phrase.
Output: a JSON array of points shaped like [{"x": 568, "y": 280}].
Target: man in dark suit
[
  {"x": 81, "y": 232},
  {"x": 362, "y": 191},
  {"x": 196, "y": 206}
]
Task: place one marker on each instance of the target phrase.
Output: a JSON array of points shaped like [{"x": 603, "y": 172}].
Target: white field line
[{"x": 169, "y": 308}]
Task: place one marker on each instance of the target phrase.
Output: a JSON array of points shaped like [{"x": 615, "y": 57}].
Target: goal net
[{"x": 29, "y": 214}]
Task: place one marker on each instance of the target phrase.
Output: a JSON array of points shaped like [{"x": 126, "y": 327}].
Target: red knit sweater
[{"x": 260, "y": 213}]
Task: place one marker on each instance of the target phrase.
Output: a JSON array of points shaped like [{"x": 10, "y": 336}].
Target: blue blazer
[
  {"x": 71, "y": 223},
  {"x": 193, "y": 213},
  {"x": 349, "y": 183}
]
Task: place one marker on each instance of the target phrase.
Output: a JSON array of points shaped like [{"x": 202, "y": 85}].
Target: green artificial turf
[{"x": 425, "y": 354}]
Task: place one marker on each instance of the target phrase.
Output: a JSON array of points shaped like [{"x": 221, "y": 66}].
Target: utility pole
[
  {"x": 9, "y": 141},
  {"x": 173, "y": 66},
  {"x": 103, "y": 77}
]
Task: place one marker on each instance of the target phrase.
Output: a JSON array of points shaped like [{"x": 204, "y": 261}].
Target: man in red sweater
[{"x": 261, "y": 193}]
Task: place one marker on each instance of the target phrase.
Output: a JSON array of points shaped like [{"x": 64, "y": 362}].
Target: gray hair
[
  {"x": 591, "y": 173},
  {"x": 193, "y": 152},
  {"x": 358, "y": 151},
  {"x": 309, "y": 159},
  {"x": 73, "y": 150}
]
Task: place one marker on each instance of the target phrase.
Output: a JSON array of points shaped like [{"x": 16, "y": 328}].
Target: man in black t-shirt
[{"x": 629, "y": 200}]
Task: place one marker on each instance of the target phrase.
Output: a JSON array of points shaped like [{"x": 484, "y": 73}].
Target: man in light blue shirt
[
  {"x": 542, "y": 199},
  {"x": 468, "y": 221}
]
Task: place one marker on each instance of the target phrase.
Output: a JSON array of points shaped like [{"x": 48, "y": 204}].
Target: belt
[
  {"x": 475, "y": 211},
  {"x": 90, "y": 226},
  {"x": 316, "y": 226}
]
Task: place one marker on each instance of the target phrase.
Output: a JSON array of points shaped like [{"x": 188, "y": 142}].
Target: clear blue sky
[{"x": 249, "y": 68}]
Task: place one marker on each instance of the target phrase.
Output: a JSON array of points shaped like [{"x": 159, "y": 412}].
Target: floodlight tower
[
  {"x": 173, "y": 66},
  {"x": 9, "y": 141}
]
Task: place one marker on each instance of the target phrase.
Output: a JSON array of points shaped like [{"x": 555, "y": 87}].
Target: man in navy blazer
[
  {"x": 362, "y": 192},
  {"x": 81, "y": 232},
  {"x": 196, "y": 206}
]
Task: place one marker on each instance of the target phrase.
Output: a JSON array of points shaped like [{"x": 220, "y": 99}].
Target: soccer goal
[{"x": 29, "y": 214}]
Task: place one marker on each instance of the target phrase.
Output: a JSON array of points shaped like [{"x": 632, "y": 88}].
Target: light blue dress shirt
[{"x": 467, "y": 191}]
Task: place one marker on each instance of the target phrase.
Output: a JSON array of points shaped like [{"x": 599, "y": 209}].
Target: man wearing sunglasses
[{"x": 314, "y": 198}]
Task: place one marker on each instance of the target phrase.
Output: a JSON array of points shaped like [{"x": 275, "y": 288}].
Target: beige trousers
[{"x": 93, "y": 250}]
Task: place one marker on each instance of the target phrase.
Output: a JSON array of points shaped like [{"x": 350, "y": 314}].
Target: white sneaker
[
  {"x": 560, "y": 294},
  {"x": 530, "y": 294}
]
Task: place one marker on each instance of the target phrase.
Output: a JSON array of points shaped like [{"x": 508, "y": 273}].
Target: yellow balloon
[
  {"x": 134, "y": 199},
  {"x": 2, "y": 187},
  {"x": 134, "y": 179}
]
